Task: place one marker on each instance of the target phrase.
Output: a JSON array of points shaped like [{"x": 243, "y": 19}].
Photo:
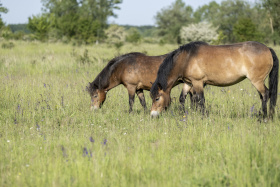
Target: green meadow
[{"x": 49, "y": 136}]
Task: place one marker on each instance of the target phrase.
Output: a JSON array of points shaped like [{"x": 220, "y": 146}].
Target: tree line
[{"x": 86, "y": 21}]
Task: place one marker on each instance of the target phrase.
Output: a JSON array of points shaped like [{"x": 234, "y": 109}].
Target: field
[{"x": 49, "y": 137}]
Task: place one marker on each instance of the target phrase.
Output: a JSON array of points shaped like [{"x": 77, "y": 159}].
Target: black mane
[
  {"x": 168, "y": 63},
  {"x": 102, "y": 79}
]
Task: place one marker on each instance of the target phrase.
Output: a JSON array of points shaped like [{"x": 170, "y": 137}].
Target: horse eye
[
  {"x": 157, "y": 98},
  {"x": 95, "y": 96}
]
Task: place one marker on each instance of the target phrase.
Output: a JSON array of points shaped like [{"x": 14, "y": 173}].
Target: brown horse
[
  {"x": 198, "y": 63},
  {"x": 135, "y": 71}
]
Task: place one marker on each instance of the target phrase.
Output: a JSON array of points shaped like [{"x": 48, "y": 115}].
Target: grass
[{"x": 49, "y": 137}]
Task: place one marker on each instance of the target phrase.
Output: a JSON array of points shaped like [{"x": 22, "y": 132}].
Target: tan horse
[
  {"x": 135, "y": 71},
  {"x": 198, "y": 63}
]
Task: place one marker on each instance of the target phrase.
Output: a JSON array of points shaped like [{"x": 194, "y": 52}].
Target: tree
[
  {"x": 229, "y": 14},
  {"x": 116, "y": 36},
  {"x": 80, "y": 19},
  {"x": 273, "y": 8},
  {"x": 246, "y": 30},
  {"x": 208, "y": 13},
  {"x": 202, "y": 31},
  {"x": 40, "y": 25},
  {"x": 65, "y": 16},
  {"x": 2, "y": 10},
  {"x": 133, "y": 36},
  {"x": 170, "y": 20}
]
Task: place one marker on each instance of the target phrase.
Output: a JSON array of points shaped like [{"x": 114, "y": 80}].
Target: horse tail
[{"x": 273, "y": 81}]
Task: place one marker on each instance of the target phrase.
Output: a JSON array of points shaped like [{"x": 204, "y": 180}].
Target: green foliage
[
  {"x": 49, "y": 136},
  {"x": 208, "y": 13},
  {"x": 246, "y": 30},
  {"x": 82, "y": 20},
  {"x": 19, "y": 28},
  {"x": 133, "y": 36},
  {"x": 6, "y": 33},
  {"x": 2, "y": 10},
  {"x": 272, "y": 8},
  {"x": 85, "y": 59},
  {"x": 170, "y": 20},
  {"x": 88, "y": 31},
  {"x": 40, "y": 25},
  {"x": 116, "y": 36},
  {"x": 9, "y": 45},
  {"x": 1, "y": 23},
  {"x": 220, "y": 40},
  {"x": 230, "y": 12}
]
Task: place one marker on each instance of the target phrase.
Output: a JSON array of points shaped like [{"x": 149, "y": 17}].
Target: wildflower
[
  {"x": 91, "y": 139},
  {"x": 85, "y": 151},
  {"x": 105, "y": 141},
  {"x": 8, "y": 141},
  {"x": 38, "y": 127},
  {"x": 252, "y": 109}
]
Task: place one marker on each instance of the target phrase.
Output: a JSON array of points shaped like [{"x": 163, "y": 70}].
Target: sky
[{"x": 132, "y": 12}]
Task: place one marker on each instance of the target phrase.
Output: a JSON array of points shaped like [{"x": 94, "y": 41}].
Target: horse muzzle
[
  {"x": 94, "y": 108},
  {"x": 154, "y": 113}
]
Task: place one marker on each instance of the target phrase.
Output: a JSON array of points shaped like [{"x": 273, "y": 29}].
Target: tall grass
[{"x": 49, "y": 137}]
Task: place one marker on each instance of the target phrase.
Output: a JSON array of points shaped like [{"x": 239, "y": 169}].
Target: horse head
[
  {"x": 97, "y": 95},
  {"x": 161, "y": 100}
]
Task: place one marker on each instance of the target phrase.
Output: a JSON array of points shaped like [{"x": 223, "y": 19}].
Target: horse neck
[
  {"x": 113, "y": 82},
  {"x": 173, "y": 78}
]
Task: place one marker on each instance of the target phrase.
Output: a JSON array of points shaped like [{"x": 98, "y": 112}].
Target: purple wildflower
[
  {"x": 38, "y": 127},
  {"x": 85, "y": 151},
  {"x": 105, "y": 141},
  {"x": 252, "y": 108},
  {"x": 45, "y": 85},
  {"x": 15, "y": 120},
  {"x": 91, "y": 139}
]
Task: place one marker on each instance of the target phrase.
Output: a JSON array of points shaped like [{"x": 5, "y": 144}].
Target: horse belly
[{"x": 224, "y": 77}]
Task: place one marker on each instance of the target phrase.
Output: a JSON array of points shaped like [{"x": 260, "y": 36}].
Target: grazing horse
[
  {"x": 198, "y": 63},
  {"x": 135, "y": 71}
]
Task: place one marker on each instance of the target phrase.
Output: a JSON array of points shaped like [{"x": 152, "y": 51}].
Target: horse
[
  {"x": 198, "y": 63},
  {"x": 135, "y": 71}
]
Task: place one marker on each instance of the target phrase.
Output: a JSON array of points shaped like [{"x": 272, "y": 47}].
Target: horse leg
[
  {"x": 198, "y": 96},
  {"x": 191, "y": 99},
  {"x": 264, "y": 95},
  {"x": 141, "y": 97},
  {"x": 131, "y": 94},
  {"x": 186, "y": 89}
]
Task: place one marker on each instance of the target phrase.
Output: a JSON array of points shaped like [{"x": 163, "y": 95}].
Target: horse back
[
  {"x": 225, "y": 65},
  {"x": 139, "y": 70}
]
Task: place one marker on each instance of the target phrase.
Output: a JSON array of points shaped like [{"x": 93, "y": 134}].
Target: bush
[
  {"x": 198, "y": 32},
  {"x": 9, "y": 45}
]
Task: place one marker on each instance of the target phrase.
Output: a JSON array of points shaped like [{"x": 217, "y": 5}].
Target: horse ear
[
  {"x": 95, "y": 85},
  {"x": 159, "y": 86}
]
